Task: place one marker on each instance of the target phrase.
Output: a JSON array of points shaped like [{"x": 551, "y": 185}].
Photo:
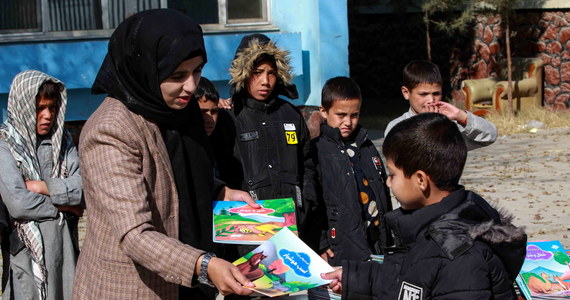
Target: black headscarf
[{"x": 143, "y": 51}]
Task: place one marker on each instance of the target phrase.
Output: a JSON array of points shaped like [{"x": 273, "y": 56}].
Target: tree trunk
[
  {"x": 509, "y": 66},
  {"x": 428, "y": 39}
]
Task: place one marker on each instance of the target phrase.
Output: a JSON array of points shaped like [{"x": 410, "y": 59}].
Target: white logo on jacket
[
  {"x": 289, "y": 126},
  {"x": 410, "y": 292}
]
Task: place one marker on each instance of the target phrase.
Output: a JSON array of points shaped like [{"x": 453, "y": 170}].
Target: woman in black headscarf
[{"x": 149, "y": 182}]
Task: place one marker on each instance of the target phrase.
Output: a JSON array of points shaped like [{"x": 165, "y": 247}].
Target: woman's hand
[{"x": 226, "y": 277}]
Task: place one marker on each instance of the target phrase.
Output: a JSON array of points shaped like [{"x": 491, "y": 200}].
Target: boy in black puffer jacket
[
  {"x": 351, "y": 179},
  {"x": 450, "y": 243},
  {"x": 272, "y": 143}
]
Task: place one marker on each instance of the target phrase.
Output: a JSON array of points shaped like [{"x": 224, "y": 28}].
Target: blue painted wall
[{"x": 315, "y": 32}]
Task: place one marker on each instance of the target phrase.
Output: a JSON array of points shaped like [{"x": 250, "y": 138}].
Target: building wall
[
  {"x": 315, "y": 32},
  {"x": 383, "y": 41},
  {"x": 544, "y": 34}
]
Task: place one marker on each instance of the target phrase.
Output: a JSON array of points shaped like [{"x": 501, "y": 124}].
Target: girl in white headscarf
[{"x": 41, "y": 187}]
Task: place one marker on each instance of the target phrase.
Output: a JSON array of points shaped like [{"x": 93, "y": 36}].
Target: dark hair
[
  {"x": 339, "y": 88},
  {"x": 50, "y": 90},
  {"x": 207, "y": 89},
  {"x": 429, "y": 142},
  {"x": 267, "y": 58},
  {"x": 420, "y": 71}
]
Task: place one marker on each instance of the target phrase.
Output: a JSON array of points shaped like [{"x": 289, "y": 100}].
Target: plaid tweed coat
[{"x": 132, "y": 249}]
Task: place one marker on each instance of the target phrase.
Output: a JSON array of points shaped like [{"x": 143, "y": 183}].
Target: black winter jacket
[
  {"x": 459, "y": 248},
  {"x": 274, "y": 154},
  {"x": 345, "y": 232}
]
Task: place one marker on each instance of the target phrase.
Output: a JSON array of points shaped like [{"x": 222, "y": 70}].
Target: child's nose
[{"x": 47, "y": 113}]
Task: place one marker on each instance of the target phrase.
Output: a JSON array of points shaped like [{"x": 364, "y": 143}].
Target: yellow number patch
[{"x": 291, "y": 137}]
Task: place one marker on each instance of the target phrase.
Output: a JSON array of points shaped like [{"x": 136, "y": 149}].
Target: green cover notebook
[{"x": 235, "y": 222}]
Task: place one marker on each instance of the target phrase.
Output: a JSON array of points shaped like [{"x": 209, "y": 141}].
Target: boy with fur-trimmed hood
[{"x": 272, "y": 138}]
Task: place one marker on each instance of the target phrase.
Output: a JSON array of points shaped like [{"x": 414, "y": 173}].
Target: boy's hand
[
  {"x": 336, "y": 277},
  {"x": 447, "y": 109},
  {"x": 225, "y": 103},
  {"x": 37, "y": 186},
  {"x": 326, "y": 254},
  {"x": 75, "y": 209},
  {"x": 228, "y": 194}
]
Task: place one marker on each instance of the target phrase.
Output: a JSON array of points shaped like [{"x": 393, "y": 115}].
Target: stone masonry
[{"x": 544, "y": 34}]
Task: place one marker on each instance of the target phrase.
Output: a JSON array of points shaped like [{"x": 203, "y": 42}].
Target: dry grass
[{"x": 525, "y": 121}]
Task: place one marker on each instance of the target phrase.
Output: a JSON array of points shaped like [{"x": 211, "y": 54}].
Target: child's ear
[
  {"x": 323, "y": 112},
  {"x": 422, "y": 180},
  {"x": 405, "y": 93}
]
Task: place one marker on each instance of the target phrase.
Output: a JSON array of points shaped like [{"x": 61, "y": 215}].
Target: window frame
[{"x": 224, "y": 25}]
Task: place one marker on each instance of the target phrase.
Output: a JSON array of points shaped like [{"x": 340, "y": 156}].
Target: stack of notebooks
[
  {"x": 322, "y": 292},
  {"x": 282, "y": 263},
  {"x": 545, "y": 273}
]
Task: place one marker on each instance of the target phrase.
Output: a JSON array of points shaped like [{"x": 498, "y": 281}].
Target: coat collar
[
  {"x": 359, "y": 135},
  {"x": 456, "y": 222}
]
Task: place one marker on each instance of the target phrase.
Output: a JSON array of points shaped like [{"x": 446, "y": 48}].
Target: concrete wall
[{"x": 315, "y": 32}]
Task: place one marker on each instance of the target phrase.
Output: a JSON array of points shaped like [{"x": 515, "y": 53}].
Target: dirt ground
[{"x": 528, "y": 175}]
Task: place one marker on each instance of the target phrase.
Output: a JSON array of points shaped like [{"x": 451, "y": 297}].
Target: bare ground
[{"x": 528, "y": 175}]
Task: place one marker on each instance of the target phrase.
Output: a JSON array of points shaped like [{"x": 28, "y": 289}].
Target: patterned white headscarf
[{"x": 19, "y": 132}]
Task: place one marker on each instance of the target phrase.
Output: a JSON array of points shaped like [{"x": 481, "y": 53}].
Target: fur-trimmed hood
[{"x": 250, "y": 49}]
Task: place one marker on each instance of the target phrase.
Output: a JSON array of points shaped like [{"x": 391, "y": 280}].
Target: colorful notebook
[
  {"x": 235, "y": 222},
  {"x": 283, "y": 265},
  {"x": 545, "y": 273}
]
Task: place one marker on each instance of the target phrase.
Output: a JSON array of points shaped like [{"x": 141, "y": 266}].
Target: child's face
[
  {"x": 45, "y": 115},
  {"x": 406, "y": 190},
  {"x": 178, "y": 88},
  {"x": 344, "y": 115},
  {"x": 209, "y": 114},
  {"x": 421, "y": 95},
  {"x": 262, "y": 81}
]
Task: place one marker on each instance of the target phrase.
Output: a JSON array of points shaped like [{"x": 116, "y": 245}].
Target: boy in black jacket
[
  {"x": 450, "y": 243},
  {"x": 272, "y": 143},
  {"x": 220, "y": 131},
  {"x": 351, "y": 178}
]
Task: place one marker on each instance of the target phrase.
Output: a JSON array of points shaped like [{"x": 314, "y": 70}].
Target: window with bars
[{"x": 64, "y": 19}]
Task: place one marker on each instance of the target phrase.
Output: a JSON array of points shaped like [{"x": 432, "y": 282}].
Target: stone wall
[
  {"x": 544, "y": 34},
  {"x": 381, "y": 44}
]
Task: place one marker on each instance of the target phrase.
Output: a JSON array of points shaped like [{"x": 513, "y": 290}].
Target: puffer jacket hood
[
  {"x": 249, "y": 50},
  {"x": 466, "y": 217}
]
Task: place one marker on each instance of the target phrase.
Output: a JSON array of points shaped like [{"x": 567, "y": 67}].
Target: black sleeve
[
  {"x": 362, "y": 280},
  {"x": 312, "y": 220},
  {"x": 4, "y": 221},
  {"x": 315, "y": 209}
]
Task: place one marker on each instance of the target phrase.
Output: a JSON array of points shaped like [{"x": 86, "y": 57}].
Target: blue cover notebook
[
  {"x": 545, "y": 273},
  {"x": 283, "y": 265}
]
